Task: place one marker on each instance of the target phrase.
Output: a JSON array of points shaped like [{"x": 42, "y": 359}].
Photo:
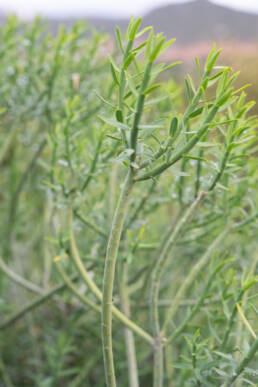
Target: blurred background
[{"x": 196, "y": 25}]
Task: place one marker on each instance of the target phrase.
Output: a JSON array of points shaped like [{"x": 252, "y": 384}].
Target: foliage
[{"x": 100, "y": 157}]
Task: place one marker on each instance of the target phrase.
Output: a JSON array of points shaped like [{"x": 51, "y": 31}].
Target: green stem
[
  {"x": 157, "y": 274},
  {"x": 158, "y": 363},
  {"x": 129, "y": 338},
  {"x": 108, "y": 280},
  {"x": 188, "y": 281},
  {"x": 180, "y": 153},
  {"x": 96, "y": 291},
  {"x": 198, "y": 173},
  {"x": 89, "y": 223},
  {"x": 139, "y": 109},
  {"x": 239, "y": 337},
  {"x": 93, "y": 164},
  {"x": 197, "y": 305},
  {"x": 141, "y": 204},
  {"x": 23, "y": 179},
  {"x": 231, "y": 320},
  {"x": 169, "y": 365},
  {"x": 122, "y": 84},
  {"x": 6, "y": 378},
  {"x": 241, "y": 367},
  {"x": 20, "y": 280},
  {"x": 33, "y": 304},
  {"x": 85, "y": 300},
  {"x": 8, "y": 143},
  {"x": 153, "y": 261}
]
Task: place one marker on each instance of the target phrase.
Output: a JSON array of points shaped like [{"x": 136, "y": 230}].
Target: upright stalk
[
  {"x": 108, "y": 281},
  {"x": 129, "y": 337}
]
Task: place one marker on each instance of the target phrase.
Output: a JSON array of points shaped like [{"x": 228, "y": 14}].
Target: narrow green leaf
[
  {"x": 194, "y": 158},
  {"x": 173, "y": 126},
  {"x": 151, "y": 89},
  {"x": 114, "y": 123},
  {"x": 140, "y": 33},
  {"x": 156, "y": 50},
  {"x": 197, "y": 63},
  {"x": 134, "y": 28},
  {"x": 113, "y": 72},
  {"x": 188, "y": 92},
  {"x": 149, "y": 45},
  {"x": 119, "y": 39},
  {"x": 171, "y": 65},
  {"x": 139, "y": 48},
  {"x": 114, "y": 137},
  {"x": 191, "y": 84},
  {"x": 128, "y": 61}
]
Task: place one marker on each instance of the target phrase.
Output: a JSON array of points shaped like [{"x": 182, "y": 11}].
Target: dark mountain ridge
[
  {"x": 202, "y": 20},
  {"x": 193, "y": 21},
  {"x": 190, "y": 22}
]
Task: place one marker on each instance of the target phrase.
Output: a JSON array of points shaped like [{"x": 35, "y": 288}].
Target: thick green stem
[
  {"x": 158, "y": 372},
  {"x": 108, "y": 281},
  {"x": 129, "y": 338}
]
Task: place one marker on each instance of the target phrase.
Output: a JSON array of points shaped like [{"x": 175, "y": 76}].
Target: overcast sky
[{"x": 103, "y": 7}]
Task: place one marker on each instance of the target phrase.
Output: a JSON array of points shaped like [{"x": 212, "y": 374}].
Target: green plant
[{"x": 146, "y": 211}]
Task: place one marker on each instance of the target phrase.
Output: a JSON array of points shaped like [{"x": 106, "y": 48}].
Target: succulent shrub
[{"x": 132, "y": 217}]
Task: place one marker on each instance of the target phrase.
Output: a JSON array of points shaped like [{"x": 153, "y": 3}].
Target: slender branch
[
  {"x": 239, "y": 328},
  {"x": 141, "y": 204},
  {"x": 33, "y": 304},
  {"x": 189, "y": 280},
  {"x": 231, "y": 319},
  {"x": 20, "y": 280},
  {"x": 23, "y": 180},
  {"x": 78, "y": 262},
  {"x": 241, "y": 367},
  {"x": 157, "y": 274},
  {"x": 98, "y": 294},
  {"x": 89, "y": 223},
  {"x": 139, "y": 109},
  {"x": 197, "y": 304},
  {"x": 85, "y": 300},
  {"x": 158, "y": 249},
  {"x": 5, "y": 375},
  {"x": 184, "y": 150},
  {"x": 93, "y": 164}
]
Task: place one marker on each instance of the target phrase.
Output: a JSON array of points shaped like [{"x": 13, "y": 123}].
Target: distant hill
[
  {"x": 193, "y": 21},
  {"x": 201, "y": 20}
]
